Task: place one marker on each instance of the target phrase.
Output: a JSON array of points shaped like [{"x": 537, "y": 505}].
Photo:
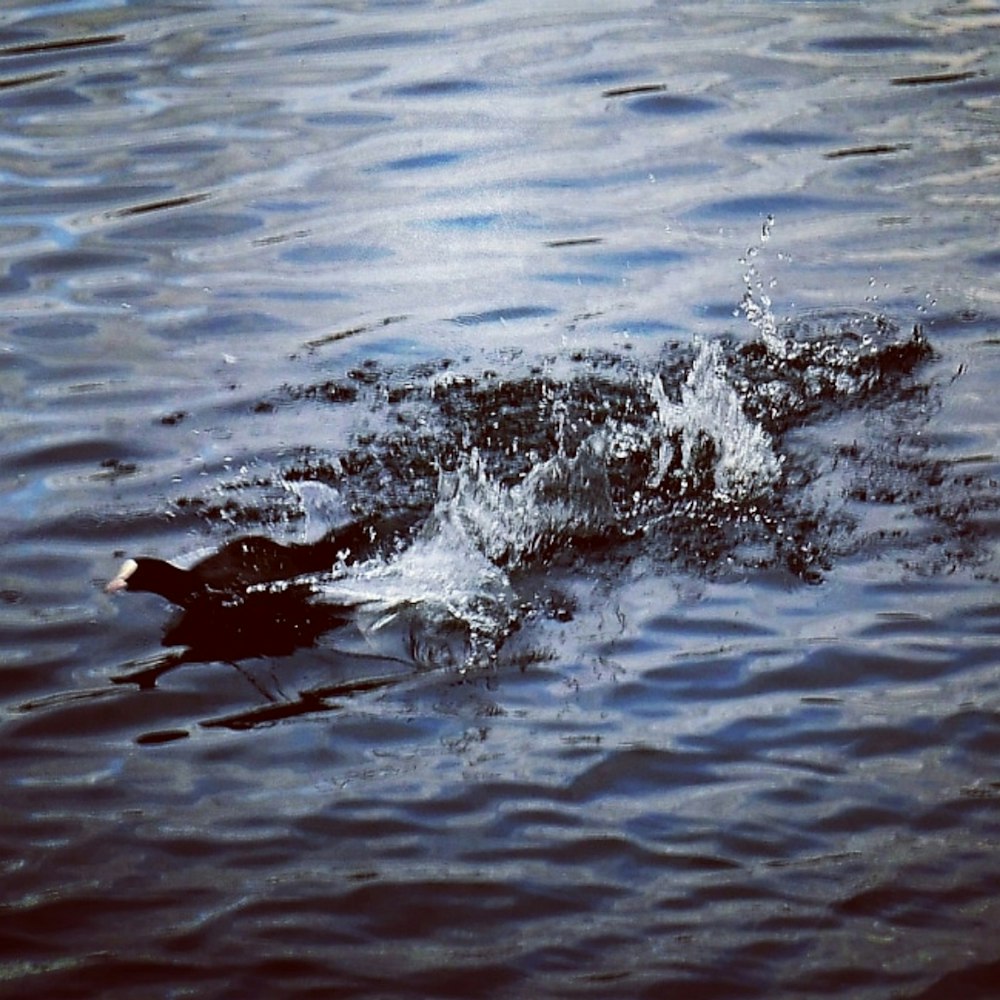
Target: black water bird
[{"x": 255, "y": 563}]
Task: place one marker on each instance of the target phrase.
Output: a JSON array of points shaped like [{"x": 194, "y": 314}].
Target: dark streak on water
[{"x": 739, "y": 747}]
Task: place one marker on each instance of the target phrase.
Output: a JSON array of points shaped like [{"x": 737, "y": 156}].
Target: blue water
[{"x": 748, "y": 752}]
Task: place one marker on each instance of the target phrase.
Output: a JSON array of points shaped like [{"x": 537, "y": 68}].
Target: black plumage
[{"x": 254, "y": 562}]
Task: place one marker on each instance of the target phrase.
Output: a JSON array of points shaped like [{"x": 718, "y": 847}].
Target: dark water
[{"x": 689, "y": 683}]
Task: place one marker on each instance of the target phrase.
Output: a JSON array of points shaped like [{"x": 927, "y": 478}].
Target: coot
[{"x": 245, "y": 564}]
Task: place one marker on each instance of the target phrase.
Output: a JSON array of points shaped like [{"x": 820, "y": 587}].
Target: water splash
[
  {"x": 561, "y": 499},
  {"x": 756, "y": 303},
  {"x": 691, "y": 453},
  {"x": 719, "y": 446},
  {"x": 452, "y": 586},
  {"x": 322, "y": 507},
  {"x": 447, "y": 602}
]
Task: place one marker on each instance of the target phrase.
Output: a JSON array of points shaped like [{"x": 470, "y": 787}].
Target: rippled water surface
[{"x": 688, "y": 684}]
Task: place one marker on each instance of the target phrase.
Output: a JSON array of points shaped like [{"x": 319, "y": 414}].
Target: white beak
[{"x": 120, "y": 582}]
